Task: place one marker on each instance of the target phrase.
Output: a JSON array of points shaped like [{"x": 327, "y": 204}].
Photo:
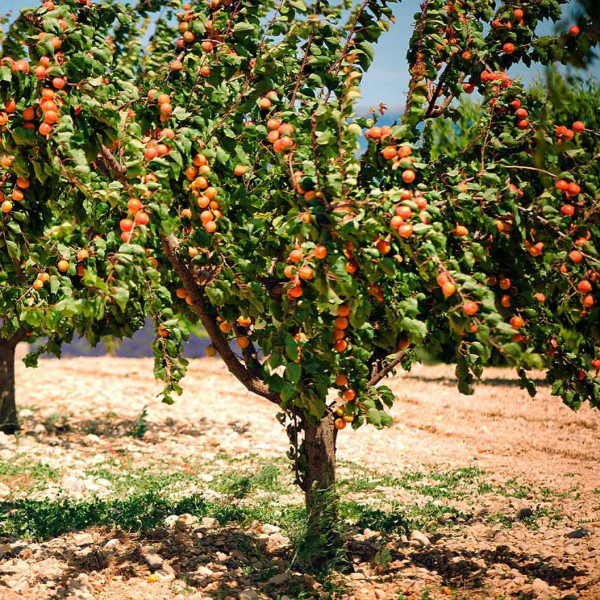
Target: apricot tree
[{"x": 213, "y": 177}]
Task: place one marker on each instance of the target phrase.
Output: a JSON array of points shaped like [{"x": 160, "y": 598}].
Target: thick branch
[
  {"x": 252, "y": 381},
  {"x": 380, "y": 375},
  {"x": 113, "y": 163}
]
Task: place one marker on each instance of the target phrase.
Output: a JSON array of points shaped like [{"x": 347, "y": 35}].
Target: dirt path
[{"x": 503, "y": 490}]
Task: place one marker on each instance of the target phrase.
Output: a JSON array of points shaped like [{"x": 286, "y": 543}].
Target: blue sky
[{"x": 388, "y": 78}]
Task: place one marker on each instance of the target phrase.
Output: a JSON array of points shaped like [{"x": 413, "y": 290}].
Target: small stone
[
  {"x": 525, "y": 513},
  {"x": 420, "y": 538},
  {"x": 270, "y": 529},
  {"x": 209, "y": 523},
  {"x": 204, "y": 571},
  {"x": 9, "y": 595},
  {"x": 112, "y": 545},
  {"x": 578, "y": 534},
  {"x": 357, "y": 576},
  {"x": 539, "y": 586},
  {"x": 83, "y": 539},
  {"x": 4, "y": 490},
  {"x": 280, "y": 578},
  {"x": 249, "y": 595},
  {"x": 185, "y": 521},
  {"x": 154, "y": 561},
  {"x": 166, "y": 574}
]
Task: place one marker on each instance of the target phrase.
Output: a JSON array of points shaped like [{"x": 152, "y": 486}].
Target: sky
[{"x": 388, "y": 78}]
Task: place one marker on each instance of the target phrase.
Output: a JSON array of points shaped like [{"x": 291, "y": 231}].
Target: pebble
[
  {"x": 539, "y": 586},
  {"x": 154, "y": 561},
  {"x": 280, "y": 578},
  {"x": 525, "y": 512},
  {"x": 83, "y": 539},
  {"x": 420, "y": 538},
  {"x": 578, "y": 534},
  {"x": 209, "y": 523},
  {"x": 249, "y": 595}
]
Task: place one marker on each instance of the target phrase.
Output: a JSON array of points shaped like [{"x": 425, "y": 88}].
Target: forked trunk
[
  {"x": 8, "y": 407},
  {"x": 323, "y": 540}
]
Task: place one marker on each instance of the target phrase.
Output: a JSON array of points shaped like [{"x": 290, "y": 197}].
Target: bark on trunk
[
  {"x": 323, "y": 539},
  {"x": 8, "y": 407}
]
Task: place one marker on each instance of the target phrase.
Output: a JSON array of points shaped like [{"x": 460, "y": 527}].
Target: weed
[{"x": 140, "y": 425}]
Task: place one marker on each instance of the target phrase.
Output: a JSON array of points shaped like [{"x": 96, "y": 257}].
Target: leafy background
[{"x": 385, "y": 84}]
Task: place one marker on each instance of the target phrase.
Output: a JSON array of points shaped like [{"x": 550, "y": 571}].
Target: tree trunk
[
  {"x": 323, "y": 539},
  {"x": 8, "y": 407}
]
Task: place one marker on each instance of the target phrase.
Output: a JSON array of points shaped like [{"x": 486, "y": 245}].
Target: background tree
[{"x": 214, "y": 177}]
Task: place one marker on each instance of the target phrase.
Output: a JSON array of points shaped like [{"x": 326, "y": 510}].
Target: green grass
[
  {"x": 140, "y": 498},
  {"x": 35, "y": 475}
]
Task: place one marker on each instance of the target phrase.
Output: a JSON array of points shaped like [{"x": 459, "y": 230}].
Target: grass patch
[
  {"x": 42, "y": 519},
  {"x": 29, "y": 476},
  {"x": 452, "y": 485}
]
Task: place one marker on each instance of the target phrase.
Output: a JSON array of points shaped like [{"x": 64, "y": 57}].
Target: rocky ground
[{"x": 491, "y": 496}]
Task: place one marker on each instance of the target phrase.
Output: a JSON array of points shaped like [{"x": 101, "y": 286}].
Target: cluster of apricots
[
  {"x": 242, "y": 337},
  {"x": 41, "y": 279},
  {"x": 521, "y": 114},
  {"x": 348, "y": 395},
  {"x": 140, "y": 217},
  {"x": 17, "y": 192},
  {"x": 446, "y": 284},
  {"x": 571, "y": 190},
  {"x": 42, "y": 116},
  {"x": 398, "y": 155},
  {"x": 280, "y": 135},
  {"x": 341, "y": 324},
  {"x": 400, "y": 221},
  {"x": 205, "y": 194},
  {"x": 166, "y": 108},
  {"x": 564, "y": 134}
]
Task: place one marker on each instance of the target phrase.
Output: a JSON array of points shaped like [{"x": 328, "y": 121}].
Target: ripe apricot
[
  {"x": 320, "y": 252},
  {"x": 517, "y": 322},
  {"x": 341, "y": 380},
  {"x": 7, "y": 206},
  {"x": 295, "y": 292},
  {"x": 389, "y": 153},
  {"x": 341, "y": 323},
  {"x": 142, "y": 218},
  {"x": 296, "y": 255},
  {"x": 470, "y": 308},
  {"x": 349, "y": 395},
  {"x": 343, "y": 310},
  {"x": 341, "y": 345},
  {"x": 134, "y": 205},
  {"x": 340, "y": 424},
  {"x": 126, "y": 224},
  {"x": 408, "y": 176},
  {"x": 405, "y": 230},
  {"x": 305, "y": 272},
  {"x": 448, "y": 289},
  {"x": 584, "y": 286}
]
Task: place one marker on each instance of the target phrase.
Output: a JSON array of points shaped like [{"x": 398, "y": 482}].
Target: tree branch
[
  {"x": 113, "y": 163},
  {"x": 380, "y": 375},
  {"x": 250, "y": 379}
]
